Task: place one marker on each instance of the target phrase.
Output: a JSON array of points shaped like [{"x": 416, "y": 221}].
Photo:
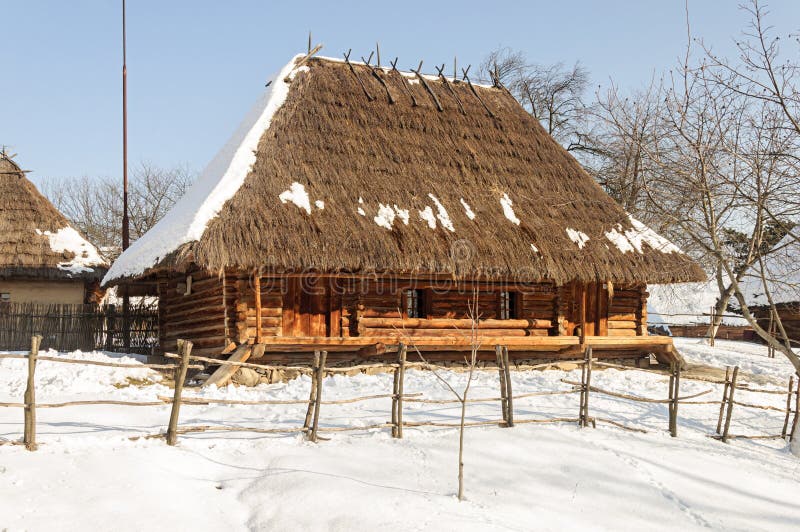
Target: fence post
[
  {"x": 509, "y": 391},
  {"x": 588, "y": 365},
  {"x": 318, "y": 399},
  {"x": 724, "y": 400},
  {"x": 675, "y": 388},
  {"x": 29, "y": 435},
  {"x": 711, "y": 329},
  {"x": 582, "y": 400},
  {"x": 312, "y": 397},
  {"x": 401, "y": 389},
  {"x": 788, "y": 407},
  {"x": 498, "y": 351},
  {"x": 794, "y": 434},
  {"x": 110, "y": 324},
  {"x": 731, "y": 390},
  {"x": 184, "y": 349}
]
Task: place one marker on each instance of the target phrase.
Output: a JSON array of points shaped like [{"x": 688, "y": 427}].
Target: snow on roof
[
  {"x": 633, "y": 239},
  {"x": 579, "y": 237},
  {"x": 224, "y": 175},
  {"x": 69, "y": 240},
  {"x": 508, "y": 209}
]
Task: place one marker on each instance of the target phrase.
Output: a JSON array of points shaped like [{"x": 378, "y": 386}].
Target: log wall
[
  {"x": 199, "y": 316},
  {"x": 222, "y": 310}
]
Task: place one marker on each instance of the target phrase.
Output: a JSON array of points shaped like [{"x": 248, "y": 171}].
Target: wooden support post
[
  {"x": 498, "y": 351},
  {"x": 729, "y": 414},
  {"x": 788, "y": 408},
  {"x": 257, "y": 294},
  {"x": 400, "y": 390},
  {"x": 312, "y": 397},
  {"x": 509, "y": 391},
  {"x": 29, "y": 434},
  {"x": 586, "y": 417},
  {"x": 184, "y": 350},
  {"x": 318, "y": 399},
  {"x": 583, "y": 315},
  {"x": 724, "y": 400}
]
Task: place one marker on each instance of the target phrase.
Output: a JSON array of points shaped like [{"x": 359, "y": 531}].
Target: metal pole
[{"x": 126, "y": 237}]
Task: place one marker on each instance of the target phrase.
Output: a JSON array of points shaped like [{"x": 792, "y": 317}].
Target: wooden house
[
  {"x": 360, "y": 206},
  {"x": 43, "y": 258},
  {"x": 780, "y": 285}
]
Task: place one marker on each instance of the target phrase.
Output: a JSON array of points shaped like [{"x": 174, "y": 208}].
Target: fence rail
[{"x": 73, "y": 327}]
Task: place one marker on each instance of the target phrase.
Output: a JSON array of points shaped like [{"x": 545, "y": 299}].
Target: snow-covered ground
[{"x": 89, "y": 474}]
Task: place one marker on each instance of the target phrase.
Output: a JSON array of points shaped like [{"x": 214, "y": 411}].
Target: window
[
  {"x": 508, "y": 306},
  {"x": 415, "y": 303},
  {"x": 5, "y": 297}
]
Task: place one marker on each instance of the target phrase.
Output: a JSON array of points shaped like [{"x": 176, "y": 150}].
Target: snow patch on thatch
[
  {"x": 68, "y": 240},
  {"x": 296, "y": 194},
  {"x": 508, "y": 209},
  {"x": 579, "y": 237}
]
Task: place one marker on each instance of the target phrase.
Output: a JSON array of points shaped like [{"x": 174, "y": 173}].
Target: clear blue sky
[{"x": 196, "y": 66}]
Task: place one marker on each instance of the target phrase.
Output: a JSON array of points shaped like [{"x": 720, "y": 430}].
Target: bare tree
[
  {"x": 94, "y": 205},
  {"x": 461, "y": 396},
  {"x": 553, "y": 94}
]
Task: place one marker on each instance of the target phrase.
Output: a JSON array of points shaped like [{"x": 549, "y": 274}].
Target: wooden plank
[{"x": 223, "y": 374}]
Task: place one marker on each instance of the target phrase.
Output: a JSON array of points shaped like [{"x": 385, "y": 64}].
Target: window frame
[
  {"x": 419, "y": 297},
  {"x": 508, "y": 305}
]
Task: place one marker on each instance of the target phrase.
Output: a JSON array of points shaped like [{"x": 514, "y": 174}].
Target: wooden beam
[
  {"x": 223, "y": 375},
  {"x": 257, "y": 293}
]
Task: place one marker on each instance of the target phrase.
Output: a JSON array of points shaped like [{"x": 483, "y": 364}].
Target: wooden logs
[
  {"x": 184, "y": 350},
  {"x": 29, "y": 434},
  {"x": 257, "y": 295},
  {"x": 451, "y": 323},
  {"x": 225, "y": 372}
]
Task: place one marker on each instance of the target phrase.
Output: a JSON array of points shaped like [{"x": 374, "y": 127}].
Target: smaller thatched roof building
[{"x": 38, "y": 244}]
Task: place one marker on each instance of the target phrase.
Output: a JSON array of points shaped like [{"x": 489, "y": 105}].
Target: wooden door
[
  {"x": 305, "y": 307},
  {"x": 596, "y": 309},
  {"x": 589, "y": 302}
]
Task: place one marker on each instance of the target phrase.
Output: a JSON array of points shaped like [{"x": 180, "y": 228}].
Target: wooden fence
[
  {"x": 72, "y": 327},
  {"x": 397, "y": 397},
  {"x": 728, "y": 402}
]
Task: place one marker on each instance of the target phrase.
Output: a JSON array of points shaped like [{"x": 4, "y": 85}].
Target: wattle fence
[
  {"x": 73, "y": 327},
  {"x": 397, "y": 397}
]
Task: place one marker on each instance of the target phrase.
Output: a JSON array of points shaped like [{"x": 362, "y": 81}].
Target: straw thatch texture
[
  {"x": 341, "y": 146},
  {"x": 24, "y": 252}
]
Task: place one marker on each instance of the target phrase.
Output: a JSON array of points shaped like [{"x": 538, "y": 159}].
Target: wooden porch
[{"x": 545, "y": 347}]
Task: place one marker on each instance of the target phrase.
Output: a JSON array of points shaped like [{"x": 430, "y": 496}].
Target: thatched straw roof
[
  {"x": 36, "y": 240},
  {"x": 329, "y": 175}
]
